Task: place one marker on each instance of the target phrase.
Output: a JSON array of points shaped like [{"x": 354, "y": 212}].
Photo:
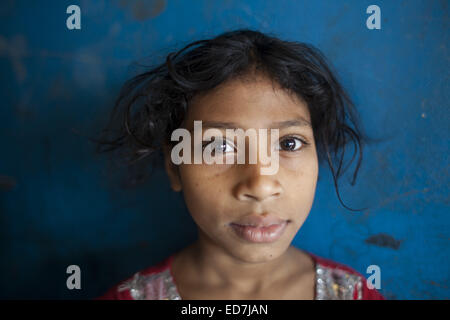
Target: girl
[{"x": 246, "y": 221}]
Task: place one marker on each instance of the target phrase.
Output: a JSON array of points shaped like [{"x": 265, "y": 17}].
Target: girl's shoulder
[
  {"x": 153, "y": 283},
  {"x": 338, "y": 281}
]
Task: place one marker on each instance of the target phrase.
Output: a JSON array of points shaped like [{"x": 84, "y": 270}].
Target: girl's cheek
[
  {"x": 299, "y": 164},
  {"x": 204, "y": 178},
  {"x": 217, "y": 169},
  {"x": 204, "y": 175}
]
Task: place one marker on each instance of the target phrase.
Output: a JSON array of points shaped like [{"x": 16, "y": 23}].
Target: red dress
[{"x": 334, "y": 281}]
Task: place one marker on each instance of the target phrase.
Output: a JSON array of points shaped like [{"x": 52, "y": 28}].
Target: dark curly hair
[{"x": 154, "y": 103}]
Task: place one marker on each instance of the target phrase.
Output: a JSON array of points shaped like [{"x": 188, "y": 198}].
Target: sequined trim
[
  {"x": 337, "y": 284},
  {"x": 331, "y": 284},
  {"x": 157, "y": 286}
]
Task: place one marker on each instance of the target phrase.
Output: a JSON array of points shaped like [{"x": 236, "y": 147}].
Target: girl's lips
[
  {"x": 259, "y": 220},
  {"x": 262, "y": 234}
]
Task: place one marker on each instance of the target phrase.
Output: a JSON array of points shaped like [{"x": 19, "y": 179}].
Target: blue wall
[{"x": 58, "y": 207}]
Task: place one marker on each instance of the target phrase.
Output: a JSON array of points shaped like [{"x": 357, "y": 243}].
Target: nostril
[
  {"x": 250, "y": 196},
  {"x": 259, "y": 190},
  {"x": 254, "y": 197}
]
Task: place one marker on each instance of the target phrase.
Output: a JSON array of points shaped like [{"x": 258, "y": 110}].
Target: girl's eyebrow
[{"x": 298, "y": 122}]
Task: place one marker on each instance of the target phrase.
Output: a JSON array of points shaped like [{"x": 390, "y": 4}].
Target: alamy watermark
[
  {"x": 73, "y": 22},
  {"x": 74, "y": 280},
  {"x": 212, "y": 153},
  {"x": 374, "y": 280}
]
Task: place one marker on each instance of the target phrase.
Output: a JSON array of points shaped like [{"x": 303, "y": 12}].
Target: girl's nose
[{"x": 257, "y": 187}]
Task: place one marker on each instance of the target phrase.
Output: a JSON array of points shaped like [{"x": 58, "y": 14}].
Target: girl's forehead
[{"x": 246, "y": 103}]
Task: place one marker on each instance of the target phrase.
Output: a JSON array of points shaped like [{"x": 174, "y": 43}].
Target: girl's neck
[{"x": 212, "y": 266}]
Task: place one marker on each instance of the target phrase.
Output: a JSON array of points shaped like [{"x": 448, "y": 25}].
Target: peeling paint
[
  {"x": 143, "y": 10},
  {"x": 7, "y": 183},
  {"x": 383, "y": 240},
  {"x": 436, "y": 284},
  {"x": 15, "y": 49}
]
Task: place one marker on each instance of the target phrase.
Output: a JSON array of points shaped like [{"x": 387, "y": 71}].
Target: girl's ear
[{"x": 171, "y": 169}]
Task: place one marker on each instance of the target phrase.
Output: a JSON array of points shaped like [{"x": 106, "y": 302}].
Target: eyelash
[{"x": 303, "y": 142}]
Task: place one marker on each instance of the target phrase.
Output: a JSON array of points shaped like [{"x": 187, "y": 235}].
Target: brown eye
[{"x": 291, "y": 144}]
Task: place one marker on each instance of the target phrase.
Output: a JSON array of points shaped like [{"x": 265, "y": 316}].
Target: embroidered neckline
[{"x": 330, "y": 284}]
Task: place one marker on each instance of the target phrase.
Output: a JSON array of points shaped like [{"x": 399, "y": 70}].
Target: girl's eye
[
  {"x": 291, "y": 144},
  {"x": 217, "y": 145}
]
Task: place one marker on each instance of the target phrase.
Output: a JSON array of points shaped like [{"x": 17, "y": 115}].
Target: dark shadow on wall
[{"x": 122, "y": 231}]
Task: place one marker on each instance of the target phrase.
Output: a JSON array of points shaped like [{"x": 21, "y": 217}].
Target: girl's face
[{"x": 218, "y": 195}]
